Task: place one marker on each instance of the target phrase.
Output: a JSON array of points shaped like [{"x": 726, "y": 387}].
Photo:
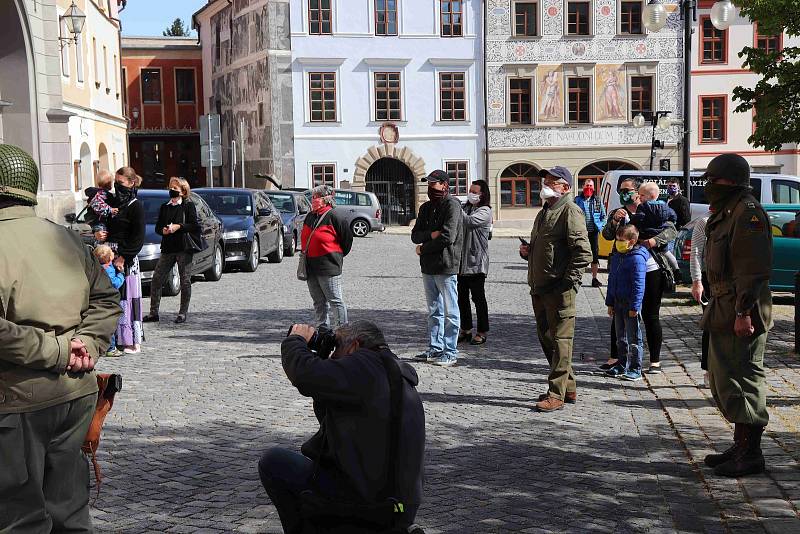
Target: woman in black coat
[{"x": 177, "y": 219}]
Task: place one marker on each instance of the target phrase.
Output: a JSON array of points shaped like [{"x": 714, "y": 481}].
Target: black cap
[
  {"x": 730, "y": 166},
  {"x": 437, "y": 176}
]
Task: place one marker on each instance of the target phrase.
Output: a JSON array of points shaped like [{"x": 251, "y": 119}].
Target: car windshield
[
  {"x": 151, "y": 206},
  {"x": 224, "y": 203},
  {"x": 283, "y": 202}
]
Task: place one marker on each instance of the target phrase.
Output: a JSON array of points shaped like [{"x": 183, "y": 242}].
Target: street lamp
[
  {"x": 74, "y": 18},
  {"x": 654, "y": 17}
]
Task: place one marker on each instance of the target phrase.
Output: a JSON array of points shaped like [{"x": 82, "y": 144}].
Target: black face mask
[
  {"x": 174, "y": 194},
  {"x": 719, "y": 194},
  {"x": 123, "y": 193}
]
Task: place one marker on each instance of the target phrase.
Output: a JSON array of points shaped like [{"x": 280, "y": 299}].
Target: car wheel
[
  {"x": 277, "y": 256},
  {"x": 255, "y": 255},
  {"x": 172, "y": 285},
  {"x": 360, "y": 227},
  {"x": 292, "y": 247},
  {"x": 214, "y": 272}
]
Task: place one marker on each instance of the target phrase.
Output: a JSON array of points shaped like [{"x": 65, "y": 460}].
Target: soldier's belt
[{"x": 721, "y": 288}]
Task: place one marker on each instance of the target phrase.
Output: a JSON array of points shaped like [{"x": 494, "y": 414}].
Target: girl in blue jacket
[{"x": 626, "y": 274}]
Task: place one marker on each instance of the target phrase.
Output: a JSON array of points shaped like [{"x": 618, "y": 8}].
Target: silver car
[{"x": 361, "y": 210}]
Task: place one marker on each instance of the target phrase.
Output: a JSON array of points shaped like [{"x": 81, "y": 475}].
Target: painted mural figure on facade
[
  {"x": 611, "y": 93},
  {"x": 550, "y": 106}
]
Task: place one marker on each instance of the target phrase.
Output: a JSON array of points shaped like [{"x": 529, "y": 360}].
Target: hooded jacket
[
  {"x": 626, "y": 274},
  {"x": 351, "y": 401}
]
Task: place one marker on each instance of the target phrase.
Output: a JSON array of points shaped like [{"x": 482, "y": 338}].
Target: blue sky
[{"x": 151, "y": 17}]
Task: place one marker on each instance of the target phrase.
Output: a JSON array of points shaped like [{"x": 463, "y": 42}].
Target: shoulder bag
[
  {"x": 192, "y": 243},
  {"x": 302, "y": 270}
]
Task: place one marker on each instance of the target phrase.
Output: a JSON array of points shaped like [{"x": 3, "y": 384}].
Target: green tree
[
  {"x": 776, "y": 96},
  {"x": 177, "y": 29}
]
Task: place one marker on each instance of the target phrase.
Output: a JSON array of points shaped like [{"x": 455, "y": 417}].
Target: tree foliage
[
  {"x": 776, "y": 96},
  {"x": 176, "y": 29}
]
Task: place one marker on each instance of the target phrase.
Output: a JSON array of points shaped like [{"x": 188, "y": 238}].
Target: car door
[
  {"x": 785, "y": 225},
  {"x": 270, "y": 220},
  {"x": 210, "y": 227},
  {"x": 261, "y": 222}
]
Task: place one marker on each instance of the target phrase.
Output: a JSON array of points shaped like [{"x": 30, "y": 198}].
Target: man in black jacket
[
  {"x": 438, "y": 236},
  {"x": 679, "y": 203},
  {"x": 347, "y": 459}
]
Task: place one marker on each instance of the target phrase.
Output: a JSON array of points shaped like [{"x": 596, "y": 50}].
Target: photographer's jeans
[
  {"x": 444, "y": 318},
  {"x": 326, "y": 292}
]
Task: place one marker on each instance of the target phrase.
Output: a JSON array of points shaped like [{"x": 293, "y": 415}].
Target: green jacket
[
  {"x": 560, "y": 248},
  {"x": 738, "y": 258},
  {"x": 51, "y": 290}
]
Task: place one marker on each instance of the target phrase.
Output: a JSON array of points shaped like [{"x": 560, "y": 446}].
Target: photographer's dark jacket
[
  {"x": 443, "y": 254},
  {"x": 351, "y": 401}
]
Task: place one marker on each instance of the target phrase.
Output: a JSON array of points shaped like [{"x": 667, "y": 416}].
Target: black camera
[{"x": 322, "y": 343}]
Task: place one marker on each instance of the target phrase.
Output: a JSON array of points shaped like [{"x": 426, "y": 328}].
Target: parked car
[
  {"x": 361, "y": 210},
  {"x": 767, "y": 188},
  {"x": 785, "y": 222},
  {"x": 253, "y": 227},
  {"x": 207, "y": 263},
  {"x": 293, "y": 207}
]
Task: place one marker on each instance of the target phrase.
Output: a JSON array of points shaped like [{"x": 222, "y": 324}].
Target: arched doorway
[
  {"x": 598, "y": 169},
  {"x": 102, "y": 152},
  {"x": 16, "y": 119},
  {"x": 393, "y": 183},
  {"x": 520, "y": 186},
  {"x": 86, "y": 167}
]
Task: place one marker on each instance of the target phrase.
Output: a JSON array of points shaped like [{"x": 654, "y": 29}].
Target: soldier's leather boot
[
  {"x": 747, "y": 460},
  {"x": 713, "y": 460}
]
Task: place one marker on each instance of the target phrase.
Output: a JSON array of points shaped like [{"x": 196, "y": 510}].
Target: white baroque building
[
  {"x": 385, "y": 91},
  {"x": 564, "y": 81}
]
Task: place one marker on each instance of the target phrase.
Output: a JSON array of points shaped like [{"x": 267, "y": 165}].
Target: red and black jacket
[{"x": 329, "y": 245}]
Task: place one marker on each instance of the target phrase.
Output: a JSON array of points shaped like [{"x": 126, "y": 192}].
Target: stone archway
[
  {"x": 17, "y": 92},
  {"x": 388, "y": 150}
]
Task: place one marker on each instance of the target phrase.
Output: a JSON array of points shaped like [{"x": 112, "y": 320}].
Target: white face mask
[
  {"x": 473, "y": 198},
  {"x": 547, "y": 193}
]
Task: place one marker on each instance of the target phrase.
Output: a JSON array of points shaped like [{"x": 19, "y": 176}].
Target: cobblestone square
[{"x": 204, "y": 399}]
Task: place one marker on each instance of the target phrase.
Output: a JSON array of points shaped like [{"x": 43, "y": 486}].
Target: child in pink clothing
[{"x": 100, "y": 202}]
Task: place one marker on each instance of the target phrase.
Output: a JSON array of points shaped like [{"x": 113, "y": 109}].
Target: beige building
[
  {"x": 564, "y": 81},
  {"x": 92, "y": 91}
]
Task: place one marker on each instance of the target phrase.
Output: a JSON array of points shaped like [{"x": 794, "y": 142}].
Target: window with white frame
[
  {"x": 322, "y": 96},
  {"x": 385, "y": 17},
  {"x": 323, "y": 174},
  {"x": 526, "y": 14},
  {"x": 387, "y": 96},
  {"x": 630, "y": 17},
  {"x": 579, "y": 20},
  {"x": 459, "y": 176},
  {"x": 452, "y": 96}
]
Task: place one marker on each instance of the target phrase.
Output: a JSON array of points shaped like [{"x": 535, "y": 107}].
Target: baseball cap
[
  {"x": 561, "y": 174},
  {"x": 437, "y": 176}
]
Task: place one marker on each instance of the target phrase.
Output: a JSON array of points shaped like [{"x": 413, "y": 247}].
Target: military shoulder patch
[{"x": 755, "y": 224}]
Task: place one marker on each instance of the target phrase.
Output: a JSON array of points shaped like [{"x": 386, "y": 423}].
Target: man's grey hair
[
  {"x": 367, "y": 334},
  {"x": 325, "y": 192}
]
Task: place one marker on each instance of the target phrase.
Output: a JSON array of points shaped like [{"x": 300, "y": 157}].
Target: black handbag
[
  {"x": 667, "y": 276},
  {"x": 192, "y": 242}
]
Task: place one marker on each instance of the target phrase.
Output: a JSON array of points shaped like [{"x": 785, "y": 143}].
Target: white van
[{"x": 767, "y": 188}]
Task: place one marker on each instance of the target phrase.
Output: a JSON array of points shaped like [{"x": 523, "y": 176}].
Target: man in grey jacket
[{"x": 438, "y": 235}]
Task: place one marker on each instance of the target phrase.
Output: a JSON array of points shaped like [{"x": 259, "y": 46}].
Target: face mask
[
  {"x": 719, "y": 194},
  {"x": 672, "y": 190},
  {"x": 174, "y": 194},
  {"x": 548, "y": 193},
  {"x": 622, "y": 246},
  {"x": 317, "y": 203},
  {"x": 123, "y": 193},
  {"x": 588, "y": 191},
  {"x": 473, "y": 198},
  {"x": 626, "y": 197},
  {"x": 437, "y": 194}
]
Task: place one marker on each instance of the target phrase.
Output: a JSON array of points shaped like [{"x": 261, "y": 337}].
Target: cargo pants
[
  {"x": 738, "y": 380},
  {"x": 44, "y": 479},
  {"x": 555, "y": 326}
]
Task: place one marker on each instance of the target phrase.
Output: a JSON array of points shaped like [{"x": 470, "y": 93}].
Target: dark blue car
[
  {"x": 294, "y": 207},
  {"x": 253, "y": 227}
]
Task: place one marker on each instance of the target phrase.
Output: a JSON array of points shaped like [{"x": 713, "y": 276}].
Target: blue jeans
[
  {"x": 444, "y": 319},
  {"x": 629, "y": 339}
]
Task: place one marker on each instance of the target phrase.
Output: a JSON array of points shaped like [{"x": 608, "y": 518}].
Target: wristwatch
[{"x": 743, "y": 314}]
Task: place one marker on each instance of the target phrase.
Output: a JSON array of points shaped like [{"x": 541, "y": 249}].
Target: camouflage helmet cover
[{"x": 19, "y": 176}]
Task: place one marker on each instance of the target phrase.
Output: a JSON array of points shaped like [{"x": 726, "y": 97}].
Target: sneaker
[
  {"x": 444, "y": 361},
  {"x": 606, "y": 366},
  {"x": 113, "y": 353},
  {"x": 631, "y": 376},
  {"x": 596, "y": 283},
  {"x": 655, "y": 369},
  {"x": 150, "y": 318},
  {"x": 616, "y": 371},
  {"x": 427, "y": 356}
]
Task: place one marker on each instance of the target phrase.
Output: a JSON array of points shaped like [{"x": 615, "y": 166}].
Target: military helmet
[
  {"x": 731, "y": 166},
  {"x": 19, "y": 176}
]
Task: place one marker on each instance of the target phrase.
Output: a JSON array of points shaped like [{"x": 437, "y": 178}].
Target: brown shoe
[
  {"x": 570, "y": 398},
  {"x": 550, "y": 404}
]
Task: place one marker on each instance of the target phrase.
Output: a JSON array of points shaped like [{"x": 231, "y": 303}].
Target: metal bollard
[{"x": 797, "y": 312}]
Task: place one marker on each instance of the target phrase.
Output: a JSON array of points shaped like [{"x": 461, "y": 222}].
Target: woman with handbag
[
  {"x": 325, "y": 241},
  {"x": 178, "y": 226}
]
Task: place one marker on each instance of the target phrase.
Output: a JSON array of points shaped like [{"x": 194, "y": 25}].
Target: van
[
  {"x": 767, "y": 188},
  {"x": 361, "y": 210}
]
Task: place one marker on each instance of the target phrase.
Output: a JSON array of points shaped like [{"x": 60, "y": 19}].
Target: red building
[{"x": 163, "y": 80}]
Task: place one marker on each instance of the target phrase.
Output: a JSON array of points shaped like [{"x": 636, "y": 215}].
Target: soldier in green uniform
[
  {"x": 57, "y": 313},
  {"x": 557, "y": 255},
  {"x": 738, "y": 261}
]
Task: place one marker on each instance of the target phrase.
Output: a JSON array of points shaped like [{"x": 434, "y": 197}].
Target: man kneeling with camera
[{"x": 362, "y": 470}]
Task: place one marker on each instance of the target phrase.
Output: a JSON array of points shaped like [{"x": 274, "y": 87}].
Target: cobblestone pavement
[{"x": 203, "y": 400}]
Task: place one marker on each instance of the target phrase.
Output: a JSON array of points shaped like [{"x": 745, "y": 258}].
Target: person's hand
[
  {"x": 419, "y": 250},
  {"x": 611, "y": 311},
  {"x": 79, "y": 359},
  {"x": 114, "y": 211},
  {"x": 119, "y": 263},
  {"x": 435, "y": 234},
  {"x": 101, "y": 236},
  {"x": 306, "y": 331},
  {"x": 743, "y": 327},
  {"x": 619, "y": 215},
  {"x": 174, "y": 228},
  {"x": 697, "y": 290},
  {"x": 632, "y": 313},
  {"x": 524, "y": 250},
  {"x": 648, "y": 243},
  {"x": 166, "y": 230}
]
